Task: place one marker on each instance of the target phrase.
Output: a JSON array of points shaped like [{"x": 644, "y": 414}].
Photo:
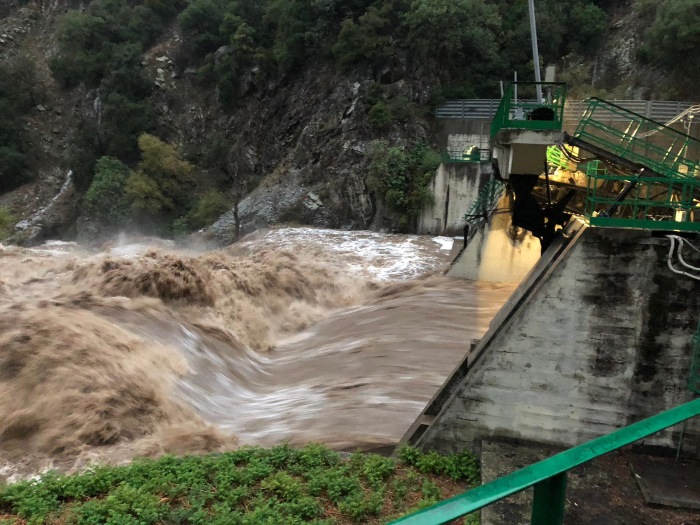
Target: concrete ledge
[{"x": 665, "y": 481}]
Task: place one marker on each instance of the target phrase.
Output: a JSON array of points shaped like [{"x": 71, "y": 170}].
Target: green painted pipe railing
[
  {"x": 657, "y": 202},
  {"x": 485, "y": 202},
  {"x": 520, "y": 110},
  {"x": 548, "y": 476},
  {"x": 472, "y": 154},
  {"x": 640, "y": 140}
]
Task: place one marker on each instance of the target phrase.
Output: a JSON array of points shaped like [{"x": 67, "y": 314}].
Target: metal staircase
[
  {"x": 485, "y": 203},
  {"x": 647, "y": 175},
  {"x": 638, "y": 140}
]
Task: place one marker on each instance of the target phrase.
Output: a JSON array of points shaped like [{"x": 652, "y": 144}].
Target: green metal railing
[
  {"x": 694, "y": 379},
  {"x": 470, "y": 154},
  {"x": 557, "y": 158},
  {"x": 520, "y": 110},
  {"x": 639, "y": 140},
  {"x": 655, "y": 201},
  {"x": 548, "y": 477},
  {"x": 485, "y": 202}
]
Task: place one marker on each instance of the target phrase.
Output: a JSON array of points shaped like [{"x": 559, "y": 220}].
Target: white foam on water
[
  {"x": 444, "y": 242},
  {"x": 383, "y": 256}
]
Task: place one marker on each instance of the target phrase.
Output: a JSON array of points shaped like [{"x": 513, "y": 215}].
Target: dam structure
[{"x": 600, "y": 226}]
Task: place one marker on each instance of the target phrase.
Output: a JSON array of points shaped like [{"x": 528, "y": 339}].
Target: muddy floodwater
[{"x": 293, "y": 335}]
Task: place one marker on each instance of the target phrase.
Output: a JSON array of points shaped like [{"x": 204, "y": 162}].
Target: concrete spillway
[
  {"x": 497, "y": 252},
  {"x": 598, "y": 335}
]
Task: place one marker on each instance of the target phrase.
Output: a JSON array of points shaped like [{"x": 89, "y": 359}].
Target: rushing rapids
[{"x": 292, "y": 335}]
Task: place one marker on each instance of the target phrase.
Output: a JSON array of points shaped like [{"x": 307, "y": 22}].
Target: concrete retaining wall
[
  {"x": 455, "y": 187},
  {"x": 602, "y": 340}
]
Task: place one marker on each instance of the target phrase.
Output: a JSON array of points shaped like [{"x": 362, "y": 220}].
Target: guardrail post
[{"x": 548, "y": 501}]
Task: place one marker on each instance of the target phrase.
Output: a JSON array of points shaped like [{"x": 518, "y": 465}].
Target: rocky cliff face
[{"x": 304, "y": 137}]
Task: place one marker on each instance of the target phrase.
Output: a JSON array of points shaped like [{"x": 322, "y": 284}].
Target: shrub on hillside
[
  {"x": 452, "y": 32},
  {"x": 368, "y": 40},
  {"x": 105, "y": 200},
  {"x": 401, "y": 177},
  {"x": 379, "y": 116},
  {"x": 210, "y": 206},
  {"x": 673, "y": 39},
  {"x": 13, "y": 166},
  {"x": 18, "y": 88},
  {"x": 123, "y": 121},
  {"x": 144, "y": 195},
  {"x": 6, "y": 222},
  {"x": 162, "y": 179},
  {"x": 200, "y": 22}
]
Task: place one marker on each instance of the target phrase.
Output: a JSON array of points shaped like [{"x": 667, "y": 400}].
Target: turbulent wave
[{"x": 135, "y": 351}]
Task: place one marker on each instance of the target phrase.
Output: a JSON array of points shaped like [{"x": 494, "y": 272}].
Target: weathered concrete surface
[
  {"x": 455, "y": 187},
  {"x": 666, "y": 481},
  {"x": 452, "y": 127},
  {"x": 529, "y": 285},
  {"x": 601, "y": 341},
  {"x": 602, "y": 492},
  {"x": 498, "y": 252}
]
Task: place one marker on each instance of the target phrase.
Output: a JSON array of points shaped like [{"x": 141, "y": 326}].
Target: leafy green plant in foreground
[{"x": 250, "y": 486}]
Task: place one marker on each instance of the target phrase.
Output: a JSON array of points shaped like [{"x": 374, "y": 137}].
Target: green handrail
[
  {"x": 548, "y": 476},
  {"x": 658, "y": 202},
  {"x": 471, "y": 154},
  {"x": 485, "y": 201},
  {"x": 526, "y": 113},
  {"x": 640, "y": 140}
]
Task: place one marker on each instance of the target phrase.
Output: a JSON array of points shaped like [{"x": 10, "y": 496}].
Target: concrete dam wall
[
  {"x": 596, "y": 337},
  {"x": 498, "y": 252},
  {"x": 455, "y": 187}
]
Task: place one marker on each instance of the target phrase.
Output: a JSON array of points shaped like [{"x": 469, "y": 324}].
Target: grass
[{"x": 250, "y": 486}]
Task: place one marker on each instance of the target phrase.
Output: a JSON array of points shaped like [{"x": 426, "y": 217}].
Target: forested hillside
[{"x": 167, "y": 113}]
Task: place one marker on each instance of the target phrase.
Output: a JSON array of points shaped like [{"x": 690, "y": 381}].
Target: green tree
[
  {"x": 84, "y": 149},
  {"x": 123, "y": 121},
  {"x": 401, "y": 178},
  {"x": 83, "y": 49},
  {"x": 380, "y": 116},
  {"x": 210, "y": 206},
  {"x": 673, "y": 40},
  {"x": 223, "y": 159},
  {"x": 162, "y": 162},
  {"x": 145, "y": 195},
  {"x": 591, "y": 25},
  {"x": 6, "y": 222},
  {"x": 368, "y": 40},
  {"x": 18, "y": 87},
  {"x": 161, "y": 180},
  {"x": 450, "y": 33},
  {"x": 124, "y": 73},
  {"x": 105, "y": 200},
  {"x": 200, "y": 22},
  {"x": 13, "y": 168}
]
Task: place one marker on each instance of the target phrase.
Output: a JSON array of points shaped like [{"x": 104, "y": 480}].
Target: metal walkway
[
  {"x": 478, "y": 109},
  {"x": 653, "y": 170},
  {"x": 638, "y": 140}
]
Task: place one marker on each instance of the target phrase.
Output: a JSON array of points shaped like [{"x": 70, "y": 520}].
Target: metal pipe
[{"x": 535, "y": 52}]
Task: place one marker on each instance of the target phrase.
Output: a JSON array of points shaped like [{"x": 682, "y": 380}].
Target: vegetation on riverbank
[{"x": 250, "y": 486}]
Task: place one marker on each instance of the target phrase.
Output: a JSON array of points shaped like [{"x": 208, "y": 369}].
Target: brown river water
[{"x": 292, "y": 335}]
